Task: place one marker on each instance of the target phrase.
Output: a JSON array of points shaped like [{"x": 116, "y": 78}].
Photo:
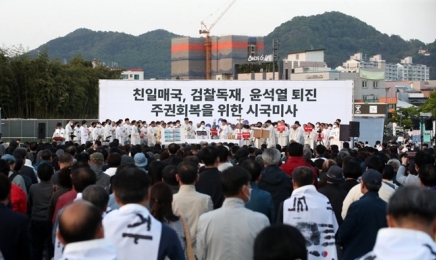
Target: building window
[
  {"x": 364, "y": 84},
  {"x": 130, "y": 75},
  {"x": 375, "y": 84},
  {"x": 136, "y": 77}
]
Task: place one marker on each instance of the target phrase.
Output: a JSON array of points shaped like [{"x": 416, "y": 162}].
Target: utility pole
[
  {"x": 1, "y": 135},
  {"x": 275, "y": 56}
]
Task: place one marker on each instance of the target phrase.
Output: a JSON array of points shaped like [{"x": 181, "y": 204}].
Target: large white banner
[{"x": 209, "y": 101}]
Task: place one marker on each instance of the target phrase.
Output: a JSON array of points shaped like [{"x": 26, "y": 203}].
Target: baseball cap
[
  {"x": 97, "y": 157},
  {"x": 8, "y": 157},
  {"x": 335, "y": 174},
  {"x": 140, "y": 160},
  {"x": 372, "y": 177}
]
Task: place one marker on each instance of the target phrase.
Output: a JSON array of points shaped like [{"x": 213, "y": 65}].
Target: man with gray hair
[
  {"x": 411, "y": 218},
  {"x": 274, "y": 180}
]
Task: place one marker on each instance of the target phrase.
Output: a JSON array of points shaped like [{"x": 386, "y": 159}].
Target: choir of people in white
[{"x": 138, "y": 132}]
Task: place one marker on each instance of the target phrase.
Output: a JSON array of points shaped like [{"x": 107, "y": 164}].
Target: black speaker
[
  {"x": 344, "y": 133},
  {"x": 428, "y": 124},
  {"x": 416, "y": 124},
  {"x": 41, "y": 131},
  {"x": 354, "y": 129}
]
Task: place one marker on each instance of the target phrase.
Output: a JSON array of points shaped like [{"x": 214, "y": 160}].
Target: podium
[{"x": 261, "y": 133}]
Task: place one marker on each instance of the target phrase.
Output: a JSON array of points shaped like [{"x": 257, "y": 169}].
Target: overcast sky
[{"x": 33, "y": 23}]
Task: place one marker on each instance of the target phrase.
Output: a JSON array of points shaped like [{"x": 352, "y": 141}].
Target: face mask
[
  {"x": 330, "y": 128},
  {"x": 335, "y": 126}
]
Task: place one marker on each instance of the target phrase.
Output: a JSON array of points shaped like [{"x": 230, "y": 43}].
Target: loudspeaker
[
  {"x": 428, "y": 124},
  {"x": 354, "y": 129},
  {"x": 416, "y": 124},
  {"x": 41, "y": 131},
  {"x": 344, "y": 133}
]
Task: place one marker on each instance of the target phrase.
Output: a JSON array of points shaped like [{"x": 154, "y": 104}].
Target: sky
[{"x": 32, "y": 23}]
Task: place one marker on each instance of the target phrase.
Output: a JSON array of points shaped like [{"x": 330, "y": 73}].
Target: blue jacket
[
  {"x": 358, "y": 232},
  {"x": 261, "y": 201}
]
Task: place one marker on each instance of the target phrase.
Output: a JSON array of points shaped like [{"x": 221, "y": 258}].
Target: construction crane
[{"x": 207, "y": 43}]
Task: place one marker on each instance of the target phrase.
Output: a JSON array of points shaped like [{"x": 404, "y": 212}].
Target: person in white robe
[
  {"x": 135, "y": 133},
  {"x": 191, "y": 131},
  {"x": 186, "y": 128},
  {"x": 271, "y": 140},
  {"x": 68, "y": 131},
  {"x": 247, "y": 133},
  {"x": 84, "y": 133},
  {"x": 300, "y": 133},
  {"x": 225, "y": 130},
  {"x": 77, "y": 134},
  {"x": 58, "y": 133},
  {"x": 294, "y": 134},
  {"x": 312, "y": 214},
  {"x": 143, "y": 133},
  {"x": 152, "y": 134},
  {"x": 282, "y": 132},
  {"x": 119, "y": 133},
  {"x": 257, "y": 141},
  {"x": 309, "y": 135},
  {"x": 107, "y": 132},
  {"x": 334, "y": 136}
]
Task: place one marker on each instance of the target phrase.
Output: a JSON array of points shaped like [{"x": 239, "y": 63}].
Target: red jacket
[
  {"x": 294, "y": 162},
  {"x": 63, "y": 201},
  {"x": 18, "y": 199}
]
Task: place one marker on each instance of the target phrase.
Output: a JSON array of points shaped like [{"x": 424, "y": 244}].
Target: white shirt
[
  {"x": 191, "y": 204},
  {"x": 121, "y": 226},
  {"x": 354, "y": 194},
  {"x": 229, "y": 232},
  {"x": 111, "y": 171},
  {"x": 92, "y": 249},
  {"x": 404, "y": 244},
  {"x": 311, "y": 213}
]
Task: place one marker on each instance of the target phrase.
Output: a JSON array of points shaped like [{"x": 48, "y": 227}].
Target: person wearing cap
[
  {"x": 14, "y": 177},
  {"x": 365, "y": 217},
  {"x": 333, "y": 191},
  {"x": 95, "y": 162},
  {"x": 411, "y": 218},
  {"x": 141, "y": 161}
]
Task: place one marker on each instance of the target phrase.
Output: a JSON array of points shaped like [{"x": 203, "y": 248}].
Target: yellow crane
[{"x": 207, "y": 43}]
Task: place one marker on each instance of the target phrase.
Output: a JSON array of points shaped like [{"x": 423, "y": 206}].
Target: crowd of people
[
  {"x": 112, "y": 200},
  {"x": 139, "y": 132}
]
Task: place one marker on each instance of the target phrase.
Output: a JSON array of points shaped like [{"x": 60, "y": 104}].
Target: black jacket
[
  {"x": 358, "y": 232},
  {"x": 15, "y": 236},
  {"x": 209, "y": 183},
  {"x": 277, "y": 183},
  {"x": 336, "y": 196}
]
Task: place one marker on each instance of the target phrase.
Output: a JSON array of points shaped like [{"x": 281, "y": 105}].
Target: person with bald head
[{"x": 81, "y": 231}]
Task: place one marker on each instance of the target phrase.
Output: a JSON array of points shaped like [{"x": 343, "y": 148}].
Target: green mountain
[
  {"x": 341, "y": 35},
  {"x": 150, "y": 51}
]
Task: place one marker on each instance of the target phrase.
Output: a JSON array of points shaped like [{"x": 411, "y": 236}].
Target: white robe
[
  {"x": 225, "y": 130},
  {"x": 309, "y": 138},
  {"x": 335, "y": 140},
  {"x": 107, "y": 132},
  {"x": 59, "y": 133},
  {"x": 68, "y": 131},
  {"x": 119, "y": 134},
  {"x": 77, "y": 134},
  {"x": 271, "y": 141},
  {"x": 312, "y": 214},
  {"x": 283, "y": 137},
  {"x": 83, "y": 135},
  {"x": 151, "y": 131},
  {"x": 135, "y": 136}
]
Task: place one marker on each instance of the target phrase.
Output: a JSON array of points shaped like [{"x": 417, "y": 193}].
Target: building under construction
[{"x": 188, "y": 55}]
